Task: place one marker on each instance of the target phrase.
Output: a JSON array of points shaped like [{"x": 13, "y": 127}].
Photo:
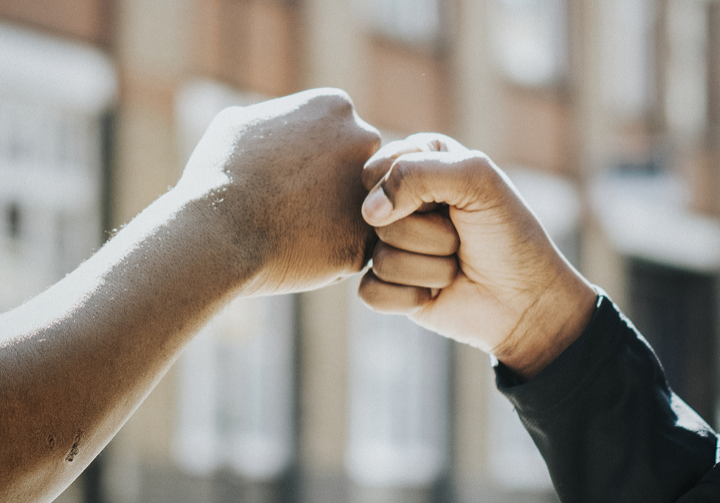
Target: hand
[
  {"x": 285, "y": 178},
  {"x": 478, "y": 266}
]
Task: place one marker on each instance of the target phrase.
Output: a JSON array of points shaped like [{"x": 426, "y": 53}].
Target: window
[
  {"x": 529, "y": 40},
  {"x": 235, "y": 406},
  {"x": 398, "y": 424},
  {"x": 54, "y": 96},
  {"x": 628, "y": 56},
  {"x": 686, "y": 96},
  {"x": 675, "y": 310},
  {"x": 412, "y": 21}
]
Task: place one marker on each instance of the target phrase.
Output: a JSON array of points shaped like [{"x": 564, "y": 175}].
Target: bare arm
[{"x": 269, "y": 202}]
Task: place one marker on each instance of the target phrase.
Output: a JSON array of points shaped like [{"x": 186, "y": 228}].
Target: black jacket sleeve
[{"x": 608, "y": 425}]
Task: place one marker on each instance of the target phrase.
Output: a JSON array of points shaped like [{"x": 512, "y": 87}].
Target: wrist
[
  {"x": 217, "y": 234},
  {"x": 555, "y": 320}
]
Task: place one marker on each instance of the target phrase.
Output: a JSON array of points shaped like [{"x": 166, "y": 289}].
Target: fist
[
  {"x": 461, "y": 254},
  {"x": 285, "y": 179}
]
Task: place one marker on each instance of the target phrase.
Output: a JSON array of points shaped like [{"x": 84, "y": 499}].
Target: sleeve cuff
[{"x": 567, "y": 373}]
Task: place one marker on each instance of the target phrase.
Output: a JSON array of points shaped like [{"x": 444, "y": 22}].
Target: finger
[
  {"x": 389, "y": 298},
  {"x": 425, "y": 233},
  {"x": 459, "y": 179},
  {"x": 413, "y": 269},
  {"x": 379, "y": 164}
]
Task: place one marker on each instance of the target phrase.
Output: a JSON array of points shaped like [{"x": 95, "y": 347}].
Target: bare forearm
[
  {"x": 269, "y": 202},
  {"x": 77, "y": 360}
]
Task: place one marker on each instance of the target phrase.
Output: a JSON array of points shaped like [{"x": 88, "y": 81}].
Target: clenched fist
[
  {"x": 461, "y": 254},
  {"x": 285, "y": 177}
]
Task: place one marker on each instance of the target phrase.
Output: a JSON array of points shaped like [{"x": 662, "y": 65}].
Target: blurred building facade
[{"x": 606, "y": 114}]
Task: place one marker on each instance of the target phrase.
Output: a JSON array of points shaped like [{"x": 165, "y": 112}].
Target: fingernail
[{"x": 377, "y": 206}]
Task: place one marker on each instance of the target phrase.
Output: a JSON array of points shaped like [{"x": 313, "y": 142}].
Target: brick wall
[{"x": 89, "y": 20}]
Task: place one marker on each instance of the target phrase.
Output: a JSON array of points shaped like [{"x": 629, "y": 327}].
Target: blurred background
[{"x": 605, "y": 113}]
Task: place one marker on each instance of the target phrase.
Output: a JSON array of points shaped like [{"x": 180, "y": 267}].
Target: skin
[
  {"x": 268, "y": 203},
  {"x": 461, "y": 254}
]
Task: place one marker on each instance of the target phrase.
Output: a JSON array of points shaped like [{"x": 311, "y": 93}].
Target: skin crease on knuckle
[
  {"x": 399, "y": 176},
  {"x": 430, "y": 233},
  {"x": 372, "y": 174},
  {"x": 391, "y": 298},
  {"x": 493, "y": 185},
  {"x": 399, "y": 267},
  {"x": 337, "y": 101}
]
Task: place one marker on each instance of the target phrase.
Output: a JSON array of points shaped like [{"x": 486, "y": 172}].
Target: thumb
[{"x": 426, "y": 177}]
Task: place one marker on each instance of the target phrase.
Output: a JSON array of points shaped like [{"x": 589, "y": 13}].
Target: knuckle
[
  {"x": 453, "y": 245},
  {"x": 379, "y": 296},
  {"x": 372, "y": 295},
  {"x": 478, "y": 168},
  {"x": 329, "y": 105},
  {"x": 444, "y": 248},
  {"x": 374, "y": 170},
  {"x": 452, "y": 240},
  {"x": 367, "y": 290},
  {"x": 420, "y": 138},
  {"x": 369, "y": 177},
  {"x": 479, "y": 161},
  {"x": 401, "y": 174},
  {"x": 375, "y": 139},
  {"x": 451, "y": 270},
  {"x": 380, "y": 261},
  {"x": 421, "y": 297},
  {"x": 227, "y": 115},
  {"x": 402, "y": 170},
  {"x": 337, "y": 101},
  {"x": 385, "y": 233},
  {"x": 368, "y": 138},
  {"x": 444, "y": 273}
]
